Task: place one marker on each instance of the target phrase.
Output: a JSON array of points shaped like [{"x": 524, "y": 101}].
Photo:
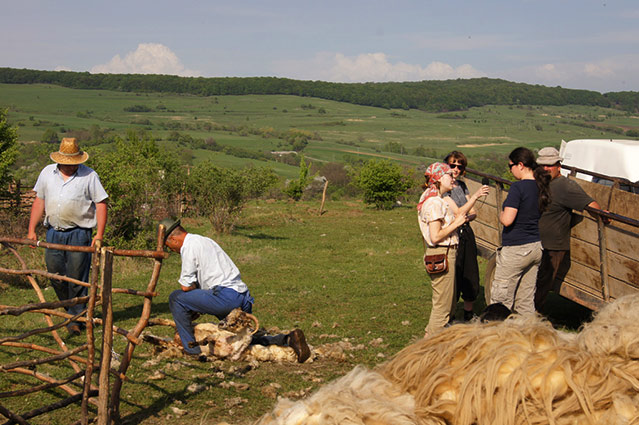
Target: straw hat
[{"x": 69, "y": 153}]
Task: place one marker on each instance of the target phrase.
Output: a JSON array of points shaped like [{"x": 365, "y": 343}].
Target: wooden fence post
[
  {"x": 323, "y": 197},
  {"x": 106, "y": 269},
  {"x": 95, "y": 274}
]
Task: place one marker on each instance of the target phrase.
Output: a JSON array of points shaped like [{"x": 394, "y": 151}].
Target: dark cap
[{"x": 170, "y": 225}]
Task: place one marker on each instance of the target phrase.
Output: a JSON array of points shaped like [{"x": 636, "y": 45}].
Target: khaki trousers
[
  {"x": 515, "y": 277},
  {"x": 443, "y": 285}
]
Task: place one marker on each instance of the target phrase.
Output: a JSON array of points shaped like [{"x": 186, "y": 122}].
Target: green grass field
[
  {"x": 345, "y": 130},
  {"x": 352, "y": 274}
]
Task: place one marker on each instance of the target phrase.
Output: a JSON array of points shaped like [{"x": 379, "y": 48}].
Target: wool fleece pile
[{"x": 520, "y": 371}]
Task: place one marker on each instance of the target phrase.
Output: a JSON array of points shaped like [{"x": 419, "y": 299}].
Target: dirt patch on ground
[{"x": 604, "y": 125}]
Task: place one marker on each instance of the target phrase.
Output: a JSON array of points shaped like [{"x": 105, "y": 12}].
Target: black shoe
[
  {"x": 469, "y": 315},
  {"x": 74, "y": 329},
  {"x": 197, "y": 356},
  {"x": 297, "y": 342}
]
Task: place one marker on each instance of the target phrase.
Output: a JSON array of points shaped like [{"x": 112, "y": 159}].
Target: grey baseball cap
[{"x": 548, "y": 156}]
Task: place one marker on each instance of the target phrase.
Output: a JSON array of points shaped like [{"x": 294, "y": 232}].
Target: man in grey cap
[
  {"x": 211, "y": 284},
  {"x": 555, "y": 222}
]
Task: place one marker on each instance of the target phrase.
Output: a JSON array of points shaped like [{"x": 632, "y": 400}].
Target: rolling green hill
[
  {"x": 440, "y": 96},
  {"x": 230, "y": 129}
]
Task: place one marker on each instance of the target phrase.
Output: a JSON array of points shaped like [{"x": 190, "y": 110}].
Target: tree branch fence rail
[{"x": 81, "y": 359}]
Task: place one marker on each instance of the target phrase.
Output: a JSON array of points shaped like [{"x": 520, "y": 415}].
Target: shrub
[
  {"x": 220, "y": 194},
  {"x": 295, "y": 188},
  {"x": 144, "y": 185},
  {"x": 8, "y": 150},
  {"x": 382, "y": 183},
  {"x": 50, "y": 136},
  {"x": 137, "y": 108}
]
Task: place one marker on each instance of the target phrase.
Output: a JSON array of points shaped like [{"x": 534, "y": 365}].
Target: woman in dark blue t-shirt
[{"x": 520, "y": 254}]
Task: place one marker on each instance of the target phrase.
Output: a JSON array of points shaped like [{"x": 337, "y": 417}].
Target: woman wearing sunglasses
[
  {"x": 520, "y": 254},
  {"x": 466, "y": 267}
]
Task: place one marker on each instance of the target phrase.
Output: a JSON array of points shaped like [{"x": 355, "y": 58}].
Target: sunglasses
[
  {"x": 453, "y": 166},
  {"x": 511, "y": 165}
]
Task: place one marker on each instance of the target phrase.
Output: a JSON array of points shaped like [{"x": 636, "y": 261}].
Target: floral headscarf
[{"x": 433, "y": 174}]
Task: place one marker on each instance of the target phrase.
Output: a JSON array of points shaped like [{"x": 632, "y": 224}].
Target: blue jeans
[
  {"x": 218, "y": 301},
  {"x": 76, "y": 265}
]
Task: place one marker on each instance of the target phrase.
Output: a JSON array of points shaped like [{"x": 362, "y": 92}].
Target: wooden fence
[
  {"x": 82, "y": 359},
  {"x": 18, "y": 198},
  {"x": 604, "y": 260}
]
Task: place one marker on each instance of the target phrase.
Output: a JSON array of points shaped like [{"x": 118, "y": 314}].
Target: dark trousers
[
  {"x": 551, "y": 261},
  {"x": 76, "y": 265},
  {"x": 466, "y": 268},
  {"x": 261, "y": 338}
]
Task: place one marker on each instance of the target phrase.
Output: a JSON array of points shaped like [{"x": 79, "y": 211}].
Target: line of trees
[{"x": 447, "y": 95}]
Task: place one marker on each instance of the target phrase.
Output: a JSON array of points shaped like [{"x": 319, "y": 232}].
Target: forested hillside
[{"x": 448, "y": 95}]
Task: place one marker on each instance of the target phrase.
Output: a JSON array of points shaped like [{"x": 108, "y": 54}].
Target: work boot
[
  {"x": 469, "y": 315},
  {"x": 74, "y": 329},
  {"x": 297, "y": 342},
  {"x": 196, "y": 356}
]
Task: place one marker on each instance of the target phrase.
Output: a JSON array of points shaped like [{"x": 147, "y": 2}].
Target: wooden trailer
[{"x": 603, "y": 263}]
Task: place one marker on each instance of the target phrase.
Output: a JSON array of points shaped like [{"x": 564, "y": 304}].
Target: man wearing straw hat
[{"x": 73, "y": 202}]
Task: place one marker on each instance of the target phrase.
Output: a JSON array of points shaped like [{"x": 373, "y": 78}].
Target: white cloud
[
  {"x": 618, "y": 73},
  {"x": 148, "y": 58},
  {"x": 375, "y": 67}
]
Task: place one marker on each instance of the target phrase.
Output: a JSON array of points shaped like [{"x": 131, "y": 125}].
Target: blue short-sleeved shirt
[
  {"x": 523, "y": 196},
  {"x": 70, "y": 203}
]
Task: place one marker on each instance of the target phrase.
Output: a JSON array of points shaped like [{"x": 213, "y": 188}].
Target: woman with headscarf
[
  {"x": 518, "y": 259},
  {"x": 438, "y": 222},
  {"x": 466, "y": 267}
]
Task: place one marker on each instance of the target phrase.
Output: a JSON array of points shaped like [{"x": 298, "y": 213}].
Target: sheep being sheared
[
  {"x": 228, "y": 339},
  {"x": 520, "y": 371}
]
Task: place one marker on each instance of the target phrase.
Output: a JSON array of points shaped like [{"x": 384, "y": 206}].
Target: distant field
[{"x": 345, "y": 130}]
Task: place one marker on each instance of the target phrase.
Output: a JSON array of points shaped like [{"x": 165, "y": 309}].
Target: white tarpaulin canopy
[{"x": 612, "y": 157}]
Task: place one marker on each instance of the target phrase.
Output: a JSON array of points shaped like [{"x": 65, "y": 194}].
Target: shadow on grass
[
  {"x": 135, "y": 311},
  {"x": 248, "y": 233},
  {"x": 561, "y": 312},
  {"x": 166, "y": 398},
  {"x": 564, "y": 313},
  {"x": 20, "y": 281}
]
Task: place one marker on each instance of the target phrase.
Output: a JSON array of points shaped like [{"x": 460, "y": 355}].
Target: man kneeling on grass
[{"x": 211, "y": 284}]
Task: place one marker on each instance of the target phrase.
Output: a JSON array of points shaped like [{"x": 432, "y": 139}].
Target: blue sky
[{"x": 579, "y": 44}]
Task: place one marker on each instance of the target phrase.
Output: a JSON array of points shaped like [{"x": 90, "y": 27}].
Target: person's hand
[
  {"x": 95, "y": 240},
  {"x": 606, "y": 220},
  {"x": 482, "y": 191},
  {"x": 459, "y": 220},
  {"x": 32, "y": 236}
]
